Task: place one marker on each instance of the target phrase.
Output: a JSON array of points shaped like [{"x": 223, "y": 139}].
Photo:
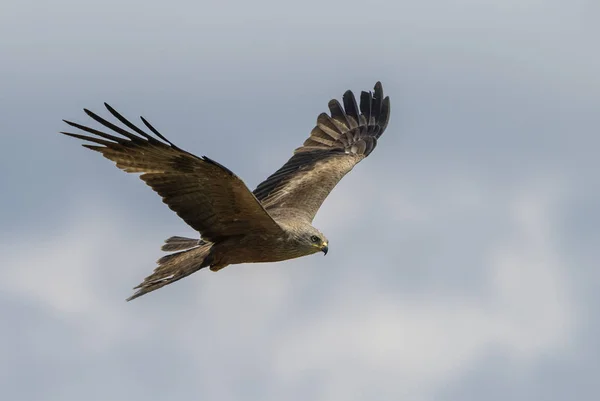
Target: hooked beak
[{"x": 324, "y": 248}]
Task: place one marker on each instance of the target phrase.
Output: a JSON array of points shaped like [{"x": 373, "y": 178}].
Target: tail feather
[
  {"x": 174, "y": 267},
  {"x": 180, "y": 243}
]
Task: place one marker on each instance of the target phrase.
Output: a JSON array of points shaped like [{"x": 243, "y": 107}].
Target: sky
[{"x": 463, "y": 258}]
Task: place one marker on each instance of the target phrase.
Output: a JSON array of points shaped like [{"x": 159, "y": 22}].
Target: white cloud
[
  {"x": 414, "y": 345},
  {"x": 357, "y": 339},
  {"x": 70, "y": 274}
]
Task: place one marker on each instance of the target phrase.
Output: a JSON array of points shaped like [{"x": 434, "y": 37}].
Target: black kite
[{"x": 270, "y": 224}]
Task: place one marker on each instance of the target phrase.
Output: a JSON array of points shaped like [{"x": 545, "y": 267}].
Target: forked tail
[{"x": 175, "y": 266}]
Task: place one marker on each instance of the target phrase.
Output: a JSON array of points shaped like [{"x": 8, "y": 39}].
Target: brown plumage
[{"x": 270, "y": 224}]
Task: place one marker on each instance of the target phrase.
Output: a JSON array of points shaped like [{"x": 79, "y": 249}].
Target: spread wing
[
  {"x": 205, "y": 194},
  {"x": 336, "y": 144}
]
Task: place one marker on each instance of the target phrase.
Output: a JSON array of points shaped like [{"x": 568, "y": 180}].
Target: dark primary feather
[
  {"x": 335, "y": 145},
  {"x": 205, "y": 194}
]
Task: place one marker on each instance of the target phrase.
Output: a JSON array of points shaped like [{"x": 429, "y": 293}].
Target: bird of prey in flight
[{"x": 236, "y": 225}]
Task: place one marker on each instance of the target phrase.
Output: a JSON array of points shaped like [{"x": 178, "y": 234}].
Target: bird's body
[
  {"x": 271, "y": 224},
  {"x": 262, "y": 248}
]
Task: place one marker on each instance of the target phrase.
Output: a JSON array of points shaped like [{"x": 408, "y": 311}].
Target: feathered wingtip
[
  {"x": 374, "y": 109},
  {"x": 352, "y": 127},
  {"x": 108, "y": 140}
]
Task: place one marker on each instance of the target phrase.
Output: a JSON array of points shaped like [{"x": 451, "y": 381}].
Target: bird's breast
[{"x": 257, "y": 249}]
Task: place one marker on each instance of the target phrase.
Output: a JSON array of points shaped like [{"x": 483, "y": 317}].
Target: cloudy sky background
[{"x": 463, "y": 258}]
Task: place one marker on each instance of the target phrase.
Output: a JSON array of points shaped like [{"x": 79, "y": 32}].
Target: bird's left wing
[
  {"x": 205, "y": 194},
  {"x": 336, "y": 144}
]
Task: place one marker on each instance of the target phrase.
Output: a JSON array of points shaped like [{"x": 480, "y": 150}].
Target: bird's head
[{"x": 314, "y": 241}]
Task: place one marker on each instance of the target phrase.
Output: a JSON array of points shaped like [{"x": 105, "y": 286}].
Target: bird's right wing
[
  {"x": 205, "y": 194},
  {"x": 336, "y": 144}
]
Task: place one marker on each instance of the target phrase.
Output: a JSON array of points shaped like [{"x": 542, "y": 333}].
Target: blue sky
[{"x": 463, "y": 260}]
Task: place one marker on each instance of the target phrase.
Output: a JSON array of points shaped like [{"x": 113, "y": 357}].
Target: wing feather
[
  {"x": 337, "y": 143},
  {"x": 205, "y": 194}
]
